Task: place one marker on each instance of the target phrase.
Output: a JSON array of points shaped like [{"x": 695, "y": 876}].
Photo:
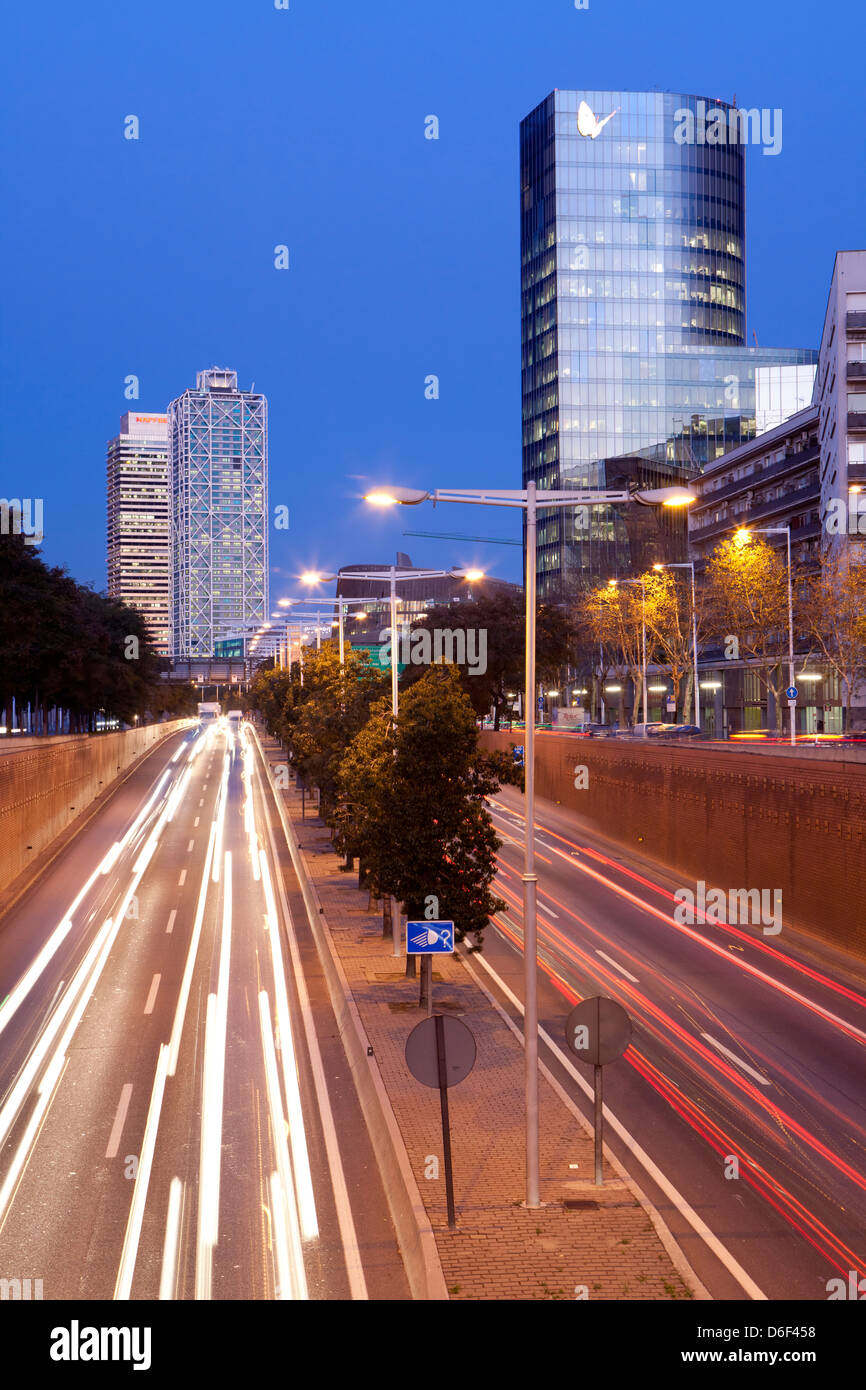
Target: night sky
[{"x": 305, "y": 127}]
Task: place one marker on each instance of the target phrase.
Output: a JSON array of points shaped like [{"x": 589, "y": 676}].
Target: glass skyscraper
[
  {"x": 633, "y": 284},
  {"x": 218, "y": 510}
]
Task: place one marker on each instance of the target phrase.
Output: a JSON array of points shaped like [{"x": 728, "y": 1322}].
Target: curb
[{"x": 412, "y": 1225}]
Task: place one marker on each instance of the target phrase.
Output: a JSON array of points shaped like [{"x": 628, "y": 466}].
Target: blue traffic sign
[
  {"x": 541, "y": 702},
  {"x": 430, "y": 938},
  {"x": 792, "y": 692}
]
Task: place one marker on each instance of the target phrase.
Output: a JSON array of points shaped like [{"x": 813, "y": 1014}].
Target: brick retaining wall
[{"x": 734, "y": 819}]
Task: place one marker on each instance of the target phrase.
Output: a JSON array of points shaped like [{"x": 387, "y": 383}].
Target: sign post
[
  {"x": 440, "y": 1052},
  {"x": 426, "y": 939},
  {"x": 598, "y": 1031}
]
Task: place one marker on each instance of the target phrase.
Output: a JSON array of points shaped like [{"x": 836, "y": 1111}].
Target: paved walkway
[{"x": 607, "y": 1249}]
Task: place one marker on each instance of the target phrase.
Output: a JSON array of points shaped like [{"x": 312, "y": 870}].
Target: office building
[
  {"x": 138, "y": 541},
  {"x": 780, "y": 392},
  {"x": 840, "y": 395},
  {"x": 633, "y": 283},
  {"x": 218, "y": 481}
]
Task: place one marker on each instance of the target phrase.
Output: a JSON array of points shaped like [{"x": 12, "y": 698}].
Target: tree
[
  {"x": 335, "y": 708},
  {"x": 669, "y": 622},
  {"x": 501, "y": 618},
  {"x": 416, "y": 804},
  {"x": 613, "y": 615},
  {"x": 747, "y": 595},
  {"x": 834, "y": 610}
]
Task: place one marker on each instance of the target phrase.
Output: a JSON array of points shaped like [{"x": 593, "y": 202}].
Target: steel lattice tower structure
[{"x": 218, "y": 481}]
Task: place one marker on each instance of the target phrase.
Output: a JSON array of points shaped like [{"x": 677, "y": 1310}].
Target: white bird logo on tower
[{"x": 588, "y": 123}]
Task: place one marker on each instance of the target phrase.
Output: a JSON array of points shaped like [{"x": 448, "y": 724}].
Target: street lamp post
[
  {"x": 526, "y": 498},
  {"x": 690, "y": 565},
  {"x": 745, "y": 533},
  {"x": 394, "y": 576}
]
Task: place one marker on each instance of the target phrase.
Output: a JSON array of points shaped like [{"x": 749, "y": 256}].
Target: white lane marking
[
  {"x": 172, "y": 1236},
  {"x": 119, "y": 1121},
  {"x": 545, "y": 845},
  {"x": 291, "y": 1274},
  {"x": 213, "y": 1092},
  {"x": 183, "y": 997},
  {"x": 201, "y": 803},
  {"x": 19, "y": 993},
  {"x": 297, "y": 1132},
  {"x": 718, "y": 950},
  {"x": 762, "y": 1080},
  {"x": 549, "y": 910},
  {"x": 616, "y": 965},
  {"x": 683, "y": 1207},
  {"x": 195, "y": 822},
  {"x": 348, "y": 1234},
  {"x": 129, "y": 1254},
  {"x": 190, "y": 846},
  {"x": 151, "y": 998},
  {"x": 171, "y": 917},
  {"x": 182, "y": 880}
]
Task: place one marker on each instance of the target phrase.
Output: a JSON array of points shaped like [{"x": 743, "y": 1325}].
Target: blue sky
[{"x": 306, "y": 127}]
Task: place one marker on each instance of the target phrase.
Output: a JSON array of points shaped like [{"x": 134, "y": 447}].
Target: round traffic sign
[
  {"x": 792, "y": 692},
  {"x": 598, "y": 1030},
  {"x": 422, "y": 1058}
]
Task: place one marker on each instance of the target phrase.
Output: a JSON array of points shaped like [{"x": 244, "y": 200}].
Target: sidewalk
[{"x": 499, "y": 1250}]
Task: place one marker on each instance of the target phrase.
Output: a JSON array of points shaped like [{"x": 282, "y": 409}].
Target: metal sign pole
[
  {"x": 446, "y": 1127},
  {"x": 599, "y": 1128}
]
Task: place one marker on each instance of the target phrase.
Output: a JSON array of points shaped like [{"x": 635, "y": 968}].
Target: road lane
[
  {"x": 782, "y": 1012},
  {"x": 171, "y": 1145}
]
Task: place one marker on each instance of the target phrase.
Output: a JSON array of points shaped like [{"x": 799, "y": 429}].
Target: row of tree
[
  {"x": 741, "y": 610},
  {"x": 407, "y": 798},
  {"x": 71, "y": 656}
]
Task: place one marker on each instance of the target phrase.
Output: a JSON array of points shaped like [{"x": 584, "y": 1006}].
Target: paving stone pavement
[{"x": 608, "y": 1249}]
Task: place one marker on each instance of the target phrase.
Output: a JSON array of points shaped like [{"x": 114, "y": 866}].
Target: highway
[
  {"x": 177, "y": 1117},
  {"x": 743, "y": 1086}
]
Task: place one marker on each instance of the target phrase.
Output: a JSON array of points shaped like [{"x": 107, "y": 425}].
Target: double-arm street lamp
[
  {"x": 744, "y": 535},
  {"x": 395, "y": 576},
  {"x": 690, "y": 565},
  {"x": 528, "y": 500}
]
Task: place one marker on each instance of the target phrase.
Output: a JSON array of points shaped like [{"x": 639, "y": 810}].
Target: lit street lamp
[
  {"x": 394, "y": 576},
  {"x": 527, "y": 499}
]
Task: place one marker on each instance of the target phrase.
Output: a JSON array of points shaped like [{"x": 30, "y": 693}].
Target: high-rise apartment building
[
  {"x": 138, "y": 555},
  {"x": 218, "y": 489},
  {"x": 633, "y": 281}
]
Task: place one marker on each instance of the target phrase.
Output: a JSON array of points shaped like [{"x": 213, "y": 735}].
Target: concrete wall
[
  {"x": 47, "y": 784},
  {"x": 736, "y": 819}
]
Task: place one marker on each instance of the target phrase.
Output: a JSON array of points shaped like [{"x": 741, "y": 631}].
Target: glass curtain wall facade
[
  {"x": 218, "y": 481},
  {"x": 633, "y": 283}
]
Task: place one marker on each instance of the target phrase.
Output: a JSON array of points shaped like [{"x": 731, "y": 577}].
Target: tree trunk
[
  {"x": 387, "y": 915},
  {"x": 411, "y": 967}
]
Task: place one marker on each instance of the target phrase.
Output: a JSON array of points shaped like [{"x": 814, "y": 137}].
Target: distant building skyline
[
  {"x": 218, "y": 512},
  {"x": 137, "y": 520}
]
